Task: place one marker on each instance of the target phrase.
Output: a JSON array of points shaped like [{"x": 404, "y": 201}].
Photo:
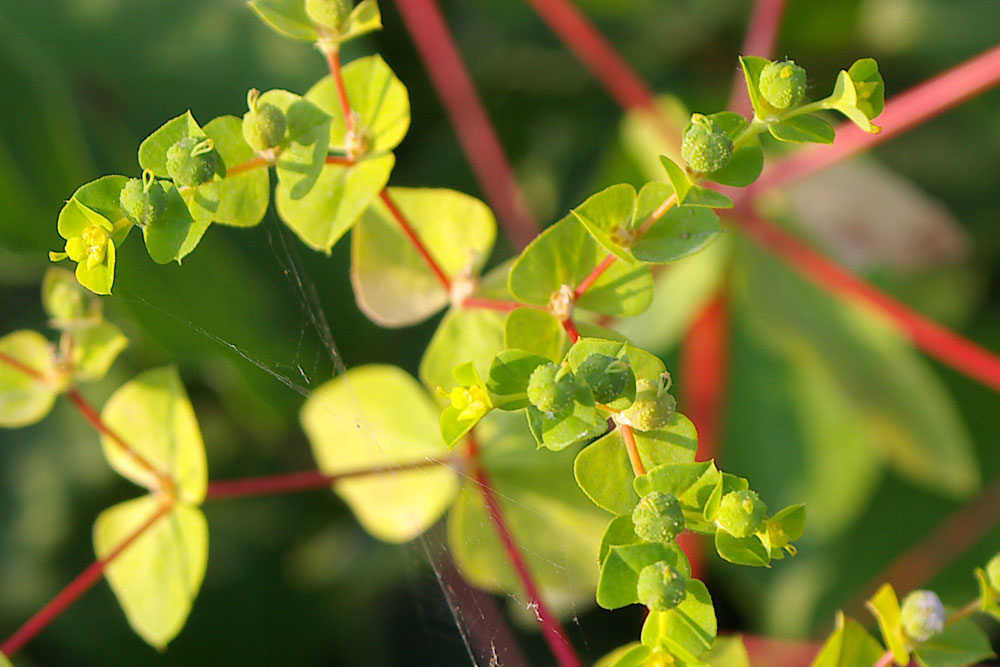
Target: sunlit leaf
[
  {"x": 153, "y": 149},
  {"x": 95, "y": 348},
  {"x": 802, "y": 129},
  {"x": 885, "y": 606},
  {"x": 23, "y": 398},
  {"x": 157, "y": 577},
  {"x": 536, "y": 331},
  {"x": 509, "y": 375},
  {"x": 286, "y": 17},
  {"x": 850, "y": 645},
  {"x": 608, "y": 216},
  {"x": 67, "y": 305},
  {"x": 621, "y": 567},
  {"x": 378, "y": 417},
  {"x": 742, "y": 550},
  {"x": 242, "y": 197},
  {"x": 688, "y": 629},
  {"x": 959, "y": 644},
  {"x": 473, "y": 404},
  {"x": 304, "y": 148},
  {"x": 869, "y": 86},
  {"x": 153, "y": 415},
  {"x": 474, "y": 334}
]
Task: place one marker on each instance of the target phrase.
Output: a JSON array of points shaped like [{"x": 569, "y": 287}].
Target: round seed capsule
[
  {"x": 607, "y": 376},
  {"x": 653, "y": 406},
  {"x": 192, "y": 161},
  {"x": 661, "y": 587},
  {"x": 143, "y": 202},
  {"x": 658, "y": 517},
  {"x": 741, "y": 513},
  {"x": 923, "y": 615},
  {"x": 782, "y": 84},
  {"x": 706, "y": 146},
  {"x": 549, "y": 392}
]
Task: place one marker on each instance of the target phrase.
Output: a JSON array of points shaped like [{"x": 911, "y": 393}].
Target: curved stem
[
  {"x": 411, "y": 233},
  {"x": 332, "y": 54},
  {"x": 571, "y": 330},
  {"x": 594, "y": 275},
  {"x": 633, "y": 449},
  {"x": 72, "y": 592}
]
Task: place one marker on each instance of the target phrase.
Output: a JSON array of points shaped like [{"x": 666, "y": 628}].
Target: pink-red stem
[
  {"x": 554, "y": 635},
  {"x": 916, "y": 105},
  {"x": 333, "y": 61},
  {"x": 760, "y": 40},
  {"x": 704, "y": 368},
  {"x": 570, "y": 327},
  {"x": 443, "y": 62},
  {"x": 19, "y": 365},
  {"x": 249, "y": 165},
  {"x": 632, "y": 449},
  {"x": 411, "y": 233},
  {"x": 301, "y": 481},
  {"x": 67, "y": 596},
  {"x": 594, "y": 275},
  {"x": 493, "y": 304},
  {"x": 590, "y": 47},
  {"x": 937, "y": 341},
  {"x": 342, "y": 160}
]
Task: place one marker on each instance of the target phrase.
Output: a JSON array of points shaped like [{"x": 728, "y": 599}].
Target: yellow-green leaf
[{"x": 25, "y": 399}]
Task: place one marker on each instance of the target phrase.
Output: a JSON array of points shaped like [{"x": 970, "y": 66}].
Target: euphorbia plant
[{"x": 514, "y": 340}]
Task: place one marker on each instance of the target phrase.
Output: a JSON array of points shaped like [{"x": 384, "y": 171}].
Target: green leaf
[
  {"x": 802, "y": 129},
  {"x": 786, "y": 526},
  {"x": 557, "y": 529},
  {"x": 68, "y": 306},
  {"x": 337, "y": 200},
  {"x": 74, "y": 217},
  {"x": 304, "y": 148},
  {"x": 565, "y": 254},
  {"x": 536, "y": 331},
  {"x": 961, "y": 643},
  {"x": 682, "y": 231},
  {"x": 752, "y": 67},
  {"x": 102, "y": 197},
  {"x": 869, "y": 86},
  {"x": 622, "y": 564},
  {"x": 742, "y": 550},
  {"x": 153, "y": 149},
  {"x": 286, "y": 17},
  {"x": 375, "y": 417},
  {"x": 176, "y": 233},
  {"x": 630, "y": 655},
  {"x": 620, "y": 532},
  {"x": 375, "y": 94},
  {"x": 987, "y": 595},
  {"x": 95, "y": 348},
  {"x": 474, "y": 404},
  {"x": 688, "y": 193},
  {"x": 509, "y": 375},
  {"x": 850, "y": 645},
  {"x": 691, "y": 483},
  {"x": 393, "y": 284},
  {"x": 243, "y": 197},
  {"x": 678, "y": 178},
  {"x": 153, "y": 415},
  {"x": 608, "y": 216},
  {"x": 605, "y": 474},
  {"x": 644, "y": 364},
  {"x": 728, "y": 652},
  {"x": 473, "y": 335},
  {"x": 688, "y": 629},
  {"x": 157, "y": 577},
  {"x": 885, "y": 607},
  {"x": 363, "y": 19},
  {"x": 559, "y": 431},
  {"x": 23, "y": 399},
  {"x": 746, "y": 162},
  {"x": 845, "y": 100}
]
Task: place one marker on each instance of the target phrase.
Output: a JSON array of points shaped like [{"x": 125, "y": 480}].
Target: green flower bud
[
  {"x": 143, "y": 200},
  {"x": 661, "y": 587},
  {"x": 923, "y": 615},
  {"x": 782, "y": 84},
  {"x": 264, "y": 124},
  {"x": 192, "y": 161},
  {"x": 658, "y": 517},
  {"x": 706, "y": 146},
  {"x": 608, "y": 377},
  {"x": 993, "y": 572},
  {"x": 550, "y": 389},
  {"x": 653, "y": 406},
  {"x": 329, "y": 14},
  {"x": 741, "y": 513}
]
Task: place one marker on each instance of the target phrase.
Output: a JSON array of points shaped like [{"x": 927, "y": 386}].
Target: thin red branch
[
  {"x": 340, "y": 159},
  {"x": 952, "y": 537},
  {"x": 411, "y": 233},
  {"x": 615, "y": 75},
  {"x": 554, "y": 635},
  {"x": 594, "y": 275},
  {"x": 760, "y": 40},
  {"x": 885, "y": 660},
  {"x": 19, "y": 365},
  {"x": 704, "y": 368},
  {"x": 72, "y": 592},
  {"x": 493, "y": 304},
  {"x": 333, "y": 61},
  {"x": 571, "y": 330},
  {"x": 916, "y": 105},
  {"x": 91, "y": 415},
  {"x": 302, "y": 481},
  {"x": 249, "y": 165},
  {"x": 937, "y": 341},
  {"x": 632, "y": 449},
  {"x": 443, "y": 62}
]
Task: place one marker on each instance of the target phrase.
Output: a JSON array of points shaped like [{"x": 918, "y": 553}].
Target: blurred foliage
[{"x": 295, "y": 580}]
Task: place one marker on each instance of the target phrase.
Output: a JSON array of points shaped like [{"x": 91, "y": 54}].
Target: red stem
[
  {"x": 703, "y": 369},
  {"x": 494, "y": 304},
  {"x": 92, "y": 416},
  {"x": 17, "y": 364},
  {"x": 571, "y": 330},
  {"x": 67, "y": 596},
  {"x": 341, "y": 160},
  {"x": 590, "y": 47},
  {"x": 594, "y": 275},
  {"x": 632, "y": 449},
  {"x": 902, "y": 112},
  {"x": 885, "y": 660},
  {"x": 333, "y": 61},
  {"x": 301, "y": 481},
  {"x": 555, "y": 636},
  {"x": 761, "y": 36},
  {"x": 443, "y": 62},
  {"x": 417, "y": 243},
  {"x": 937, "y": 341},
  {"x": 787, "y": 653},
  {"x": 952, "y": 537},
  {"x": 249, "y": 165}
]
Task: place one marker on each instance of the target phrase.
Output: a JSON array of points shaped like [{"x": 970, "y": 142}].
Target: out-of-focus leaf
[
  {"x": 286, "y": 17},
  {"x": 23, "y": 398},
  {"x": 380, "y": 417},
  {"x": 157, "y": 577},
  {"x": 95, "y": 348},
  {"x": 473, "y": 334},
  {"x": 536, "y": 331},
  {"x": 885, "y": 606},
  {"x": 961, "y": 643},
  {"x": 850, "y": 645}
]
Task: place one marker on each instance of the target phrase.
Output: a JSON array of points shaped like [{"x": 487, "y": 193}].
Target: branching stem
[
  {"x": 411, "y": 234},
  {"x": 332, "y": 54}
]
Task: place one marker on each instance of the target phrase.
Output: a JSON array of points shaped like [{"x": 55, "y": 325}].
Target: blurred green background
[{"x": 294, "y": 580}]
